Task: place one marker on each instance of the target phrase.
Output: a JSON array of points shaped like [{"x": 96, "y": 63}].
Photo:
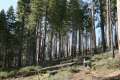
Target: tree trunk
[
  {"x": 56, "y": 46},
  {"x": 38, "y": 42},
  {"x": 45, "y": 29},
  {"x": 59, "y": 41},
  {"x": 118, "y": 14},
  {"x": 111, "y": 30},
  {"x": 66, "y": 45},
  {"x": 74, "y": 42},
  {"x": 116, "y": 36},
  {"x": 79, "y": 52},
  {"x": 21, "y": 45},
  {"x": 108, "y": 25},
  {"x": 102, "y": 27},
  {"x": 93, "y": 29},
  {"x": 50, "y": 47}
]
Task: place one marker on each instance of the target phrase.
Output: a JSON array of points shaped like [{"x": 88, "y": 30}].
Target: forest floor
[{"x": 103, "y": 68}]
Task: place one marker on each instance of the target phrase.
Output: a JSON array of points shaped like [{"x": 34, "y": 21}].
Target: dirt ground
[
  {"x": 82, "y": 75},
  {"x": 85, "y": 74},
  {"x": 96, "y": 75}
]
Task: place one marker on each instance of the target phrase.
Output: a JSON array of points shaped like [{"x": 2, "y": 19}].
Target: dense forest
[{"x": 47, "y": 32}]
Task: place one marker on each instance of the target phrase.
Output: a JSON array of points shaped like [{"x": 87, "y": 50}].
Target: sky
[{"x": 5, "y": 4}]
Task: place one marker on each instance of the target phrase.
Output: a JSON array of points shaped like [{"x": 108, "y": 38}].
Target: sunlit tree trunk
[
  {"x": 79, "y": 51},
  {"x": 93, "y": 29},
  {"x": 38, "y": 42},
  {"x": 118, "y": 14},
  {"x": 108, "y": 24},
  {"x": 111, "y": 30}
]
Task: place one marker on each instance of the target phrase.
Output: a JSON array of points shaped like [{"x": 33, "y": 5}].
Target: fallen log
[{"x": 51, "y": 69}]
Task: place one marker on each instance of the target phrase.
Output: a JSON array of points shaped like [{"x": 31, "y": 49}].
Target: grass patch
[
  {"x": 75, "y": 69},
  {"x": 64, "y": 73},
  {"x": 101, "y": 56},
  {"x": 61, "y": 75},
  {"x": 105, "y": 61},
  {"x": 6, "y": 73},
  {"x": 29, "y": 69}
]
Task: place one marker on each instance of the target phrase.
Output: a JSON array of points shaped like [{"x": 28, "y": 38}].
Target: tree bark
[
  {"x": 21, "y": 45},
  {"x": 108, "y": 25},
  {"x": 50, "y": 47},
  {"x": 79, "y": 52},
  {"x": 93, "y": 29},
  {"x": 118, "y": 14},
  {"x": 38, "y": 42},
  {"x": 102, "y": 27}
]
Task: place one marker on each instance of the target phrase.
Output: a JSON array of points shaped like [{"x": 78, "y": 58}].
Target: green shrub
[
  {"x": 12, "y": 73},
  {"x": 26, "y": 70},
  {"x": 4, "y": 74}
]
